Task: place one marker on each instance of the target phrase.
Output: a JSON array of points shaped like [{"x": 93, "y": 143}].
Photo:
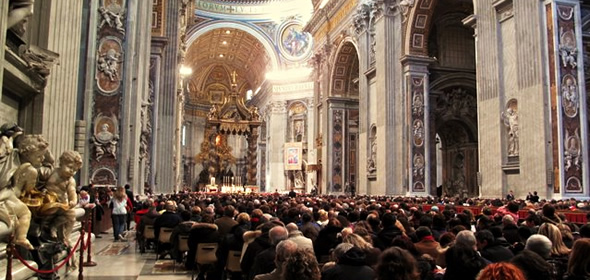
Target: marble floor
[{"x": 121, "y": 261}]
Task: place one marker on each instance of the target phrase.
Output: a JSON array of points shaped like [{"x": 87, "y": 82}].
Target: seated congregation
[{"x": 327, "y": 237}]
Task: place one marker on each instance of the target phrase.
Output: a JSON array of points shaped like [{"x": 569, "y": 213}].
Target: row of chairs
[{"x": 206, "y": 252}]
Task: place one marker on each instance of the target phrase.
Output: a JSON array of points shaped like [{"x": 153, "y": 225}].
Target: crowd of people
[{"x": 372, "y": 237}]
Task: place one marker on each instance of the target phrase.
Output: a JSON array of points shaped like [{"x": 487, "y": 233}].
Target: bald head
[
  {"x": 278, "y": 234},
  {"x": 291, "y": 227}
]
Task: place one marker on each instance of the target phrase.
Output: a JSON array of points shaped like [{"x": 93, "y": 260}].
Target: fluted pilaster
[
  {"x": 164, "y": 161},
  {"x": 3, "y": 25},
  {"x": 390, "y": 119},
  {"x": 63, "y": 36}
]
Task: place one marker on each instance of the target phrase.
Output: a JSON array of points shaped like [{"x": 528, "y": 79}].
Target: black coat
[
  {"x": 166, "y": 220},
  {"x": 200, "y": 233},
  {"x": 351, "y": 265},
  {"x": 328, "y": 238},
  {"x": 258, "y": 245},
  {"x": 263, "y": 263},
  {"x": 387, "y": 235},
  {"x": 496, "y": 253}
]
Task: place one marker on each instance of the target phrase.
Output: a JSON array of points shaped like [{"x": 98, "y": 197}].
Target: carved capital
[{"x": 361, "y": 18}]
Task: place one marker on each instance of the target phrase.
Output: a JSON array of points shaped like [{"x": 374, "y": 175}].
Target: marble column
[
  {"x": 62, "y": 34},
  {"x": 89, "y": 81},
  {"x": 164, "y": 162},
  {"x": 136, "y": 91},
  {"x": 488, "y": 105},
  {"x": 390, "y": 122},
  {"x": 3, "y": 25},
  {"x": 277, "y": 124}
]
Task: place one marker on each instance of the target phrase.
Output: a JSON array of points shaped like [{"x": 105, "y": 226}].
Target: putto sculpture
[{"x": 31, "y": 189}]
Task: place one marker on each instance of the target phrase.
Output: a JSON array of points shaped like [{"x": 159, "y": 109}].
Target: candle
[{"x": 213, "y": 181}]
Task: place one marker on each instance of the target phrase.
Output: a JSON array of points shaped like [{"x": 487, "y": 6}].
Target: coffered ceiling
[{"x": 233, "y": 49}]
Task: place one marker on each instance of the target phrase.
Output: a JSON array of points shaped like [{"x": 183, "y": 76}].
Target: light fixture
[
  {"x": 185, "y": 70},
  {"x": 224, "y": 42},
  {"x": 221, "y": 55},
  {"x": 227, "y": 32}
]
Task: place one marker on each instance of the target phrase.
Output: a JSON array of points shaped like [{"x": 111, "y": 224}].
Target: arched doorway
[
  {"x": 453, "y": 99},
  {"x": 437, "y": 31},
  {"x": 343, "y": 120}
]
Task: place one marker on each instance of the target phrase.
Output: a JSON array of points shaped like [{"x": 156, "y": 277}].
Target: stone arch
[
  {"x": 194, "y": 32},
  {"x": 345, "y": 72},
  {"x": 417, "y": 29}
]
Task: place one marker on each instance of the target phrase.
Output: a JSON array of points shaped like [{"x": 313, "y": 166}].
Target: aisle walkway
[{"x": 120, "y": 261}]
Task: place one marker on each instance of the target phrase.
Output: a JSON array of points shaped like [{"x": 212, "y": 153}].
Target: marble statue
[
  {"x": 9, "y": 160},
  {"x": 573, "y": 153},
  {"x": 567, "y": 49},
  {"x": 418, "y": 103},
  {"x": 107, "y": 64},
  {"x": 510, "y": 119},
  {"x": 61, "y": 186},
  {"x": 112, "y": 19},
  {"x": 299, "y": 181},
  {"x": 20, "y": 11},
  {"x": 32, "y": 150},
  {"x": 570, "y": 97},
  {"x": 372, "y": 160},
  {"x": 105, "y": 142}
]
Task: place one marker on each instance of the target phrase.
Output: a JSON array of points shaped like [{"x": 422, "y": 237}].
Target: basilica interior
[
  {"x": 391, "y": 97},
  {"x": 453, "y": 99}
]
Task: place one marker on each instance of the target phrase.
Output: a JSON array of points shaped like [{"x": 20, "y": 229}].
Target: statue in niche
[
  {"x": 371, "y": 162},
  {"x": 572, "y": 153},
  {"x": 105, "y": 142},
  {"x": 510, "y": 119},
  {"x": 146, "y": 125},
  {"x": 18, "y": 14},
  {"x": 569, "y": 93},
  {"x": 61, "y": 198},
  {"x": 107, "y": 64},
  {"x": 567, "y": 48},
  {"x": 299, "y": 181}
]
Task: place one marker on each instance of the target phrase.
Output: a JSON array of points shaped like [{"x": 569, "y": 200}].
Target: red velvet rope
[{"x": 24, "y": 262}]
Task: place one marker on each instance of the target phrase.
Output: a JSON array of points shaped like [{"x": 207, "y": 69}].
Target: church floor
[{"x": 121, "y": 261}]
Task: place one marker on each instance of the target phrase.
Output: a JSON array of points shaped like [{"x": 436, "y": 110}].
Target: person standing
[
  {"x": 130, "y": 196},
  {"x": 510, "y": 196},
  {"x": 118, "y": 204}
]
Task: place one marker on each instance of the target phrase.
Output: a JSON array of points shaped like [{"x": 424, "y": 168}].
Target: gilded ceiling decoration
[{"x": 215, "y": 52}]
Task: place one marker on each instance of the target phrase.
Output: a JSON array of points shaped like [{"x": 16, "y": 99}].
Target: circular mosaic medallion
[{"x": 294, "y": 43}]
